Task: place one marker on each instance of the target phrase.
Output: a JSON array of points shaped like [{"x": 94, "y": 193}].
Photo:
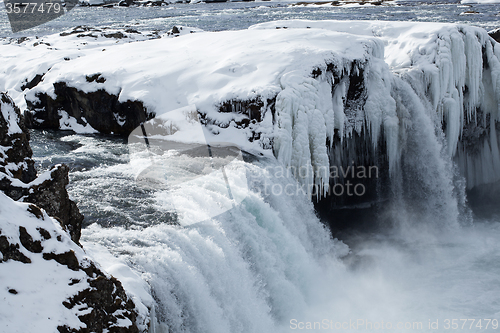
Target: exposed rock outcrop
[
  {"x": 18, "y": 174},
  {"x": 99, "y": 302},
  {"x": 15, "y": 153},
  {"x": 98, "y": 109},
  {"x": 495, "y": 34}
]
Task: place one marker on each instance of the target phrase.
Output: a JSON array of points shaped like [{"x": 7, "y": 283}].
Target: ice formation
[{"x": 453, "y": 69}]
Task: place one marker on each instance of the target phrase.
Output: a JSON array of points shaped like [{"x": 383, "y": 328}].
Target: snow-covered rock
[
  {"x": 18, "y": 177},
  {"x": 495, "y": 34},
  {"x": 46, "y": 276}
]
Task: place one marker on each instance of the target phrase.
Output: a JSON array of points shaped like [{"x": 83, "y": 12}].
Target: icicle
[
  {"x": 338, "y": 108},
  {"x": 474, "y": 56},
  {"x": 300, "y": 142},
  {"x": 380, "y": 109}
]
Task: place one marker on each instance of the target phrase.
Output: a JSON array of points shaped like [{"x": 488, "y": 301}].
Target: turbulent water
[
  {"x": 268, "y": 264},
  {"x": 269, "y": 261}
]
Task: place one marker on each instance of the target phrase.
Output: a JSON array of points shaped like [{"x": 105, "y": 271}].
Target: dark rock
[
  {"x": 27, "y": 241},
  {"x": 19, "y": 151},
  {"x": 132, "y": 31},
  {"x": 157, "y": 3},
  {"x": 67, "y": 259},
  {"x": 35, "y": 211},
  {"x": 100, "y": 109},
  {"x": 51, "y": 195},
  {"x": 104, "y": 297},
  {"x": 117, "y": 35},
  {"x": 44, "y": 233},
  {"x": 79, "y": 30},
  {"x": 495, "y": 34},
  {"x": 175, "y": 30},
  {"x": 11, "y": 251},
  {"x": 96, "y": 77}
]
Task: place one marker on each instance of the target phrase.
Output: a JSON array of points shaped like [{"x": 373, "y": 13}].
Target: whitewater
[{"x": 233, "y": 252}]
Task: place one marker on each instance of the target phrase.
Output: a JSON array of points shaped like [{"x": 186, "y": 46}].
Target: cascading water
[{"x": 268, "y": 264}]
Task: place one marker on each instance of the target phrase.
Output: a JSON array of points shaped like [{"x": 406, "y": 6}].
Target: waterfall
[{"x": 258, "y": 259}]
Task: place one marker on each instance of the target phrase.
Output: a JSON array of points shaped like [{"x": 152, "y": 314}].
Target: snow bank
[{"x": 38, "y": 297}]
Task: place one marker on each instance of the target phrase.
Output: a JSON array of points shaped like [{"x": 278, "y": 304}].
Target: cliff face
[
  {"x": 48, "y": 276},
  {"x": 15, "y": 158},
  {"x": 18, "y": 177}
]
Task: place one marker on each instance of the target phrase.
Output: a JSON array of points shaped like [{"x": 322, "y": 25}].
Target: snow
[
  {"x": 480, "y": 1},
  {"x": 10, "y": 117},
  {"x": 440, "y": 61},
  {"x": 66, "y": 122},
  {"x": 39, "y": 296}
]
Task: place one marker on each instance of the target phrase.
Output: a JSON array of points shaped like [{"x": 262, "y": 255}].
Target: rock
[
  {"x": 51, "y": 195},
  {"x": 100, "y": 110},
  {"x": 15, "y": 151},
  {"x": 33, "y": 238},
  {"x": 29, "y": 236},
  {"x": 48, "y": 193},
  {"x": 495, "y": 34}
]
